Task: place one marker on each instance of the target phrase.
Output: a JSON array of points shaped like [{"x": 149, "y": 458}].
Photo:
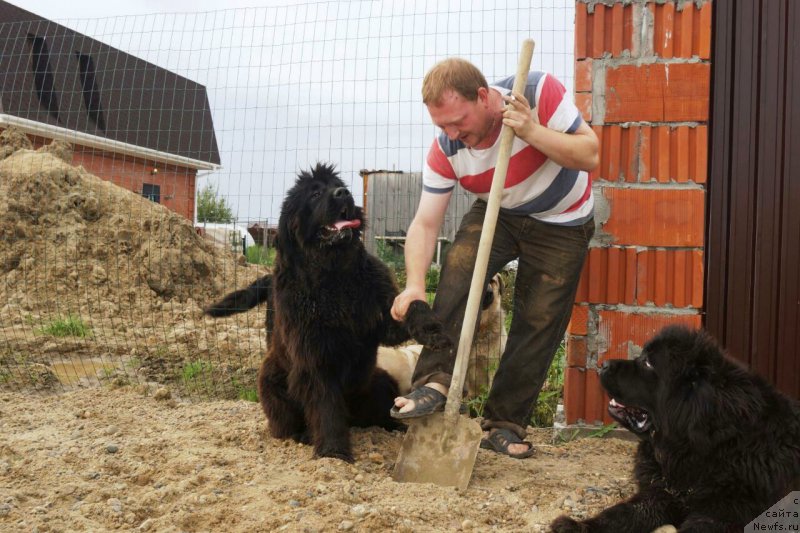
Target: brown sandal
[
  {"x": 499, "y": 440},
  {"x": 426, "y": 400}
]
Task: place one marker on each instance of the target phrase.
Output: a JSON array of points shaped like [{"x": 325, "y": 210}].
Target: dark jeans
[{"x": 550, "y": 261}]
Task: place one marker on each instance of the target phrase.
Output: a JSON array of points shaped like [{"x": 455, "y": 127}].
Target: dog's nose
[
  {"x": 605, "y": 367},
  {"x": 341, "y": 192}
]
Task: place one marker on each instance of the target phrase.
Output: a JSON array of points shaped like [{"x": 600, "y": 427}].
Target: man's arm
[
  {"x": 419, "y": 249},
  {"x": 579, "y": 150}
]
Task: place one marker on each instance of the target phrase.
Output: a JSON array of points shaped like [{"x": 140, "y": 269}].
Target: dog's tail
[{"x": 242, "y": 300}]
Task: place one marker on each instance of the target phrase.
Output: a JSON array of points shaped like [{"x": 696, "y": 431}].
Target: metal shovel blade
[{"x": 439, "y": 449}]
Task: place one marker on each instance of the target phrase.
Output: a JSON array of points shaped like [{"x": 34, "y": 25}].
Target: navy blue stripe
[
  {"x": 449, "y": 147},
  {"x": 561, "y": 186},
  {"x": 530, "y": 87},
  {"x": 575, "y": 125},
  {"x": 434, "y": 190}
]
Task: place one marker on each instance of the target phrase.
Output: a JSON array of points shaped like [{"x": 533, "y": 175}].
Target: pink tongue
[{"x": 347, "y": 224}]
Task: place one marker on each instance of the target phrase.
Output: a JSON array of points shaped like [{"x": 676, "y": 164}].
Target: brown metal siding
[{"x": 753, "y": 233}]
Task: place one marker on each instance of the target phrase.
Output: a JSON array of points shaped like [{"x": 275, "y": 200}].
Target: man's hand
[
  {"x": 519, "y": 115},
  {"x": 404, "y": 299}
]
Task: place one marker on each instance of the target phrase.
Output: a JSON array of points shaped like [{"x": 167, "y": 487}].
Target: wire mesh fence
[{"x": 113, "y": 127}]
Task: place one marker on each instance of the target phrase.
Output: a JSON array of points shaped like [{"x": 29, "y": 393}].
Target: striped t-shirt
[{"x": 535, "y": 186}]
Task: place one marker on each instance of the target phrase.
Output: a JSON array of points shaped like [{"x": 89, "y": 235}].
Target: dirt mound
[{"x": 133, "y": 272}]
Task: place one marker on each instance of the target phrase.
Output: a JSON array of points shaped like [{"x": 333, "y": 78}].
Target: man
[{"x": 545, "y": 222}]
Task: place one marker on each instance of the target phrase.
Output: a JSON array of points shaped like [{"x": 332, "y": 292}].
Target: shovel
[{"x": 441, "y": 448}]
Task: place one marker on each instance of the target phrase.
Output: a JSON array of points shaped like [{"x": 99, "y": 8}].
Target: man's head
[{"x": 459, "y": 102}]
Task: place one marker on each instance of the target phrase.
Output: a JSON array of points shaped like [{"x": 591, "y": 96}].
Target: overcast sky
[{"x": 291, "y": 82}]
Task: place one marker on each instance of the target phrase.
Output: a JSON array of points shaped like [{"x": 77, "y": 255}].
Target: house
[{"x": 130, "y": 122}]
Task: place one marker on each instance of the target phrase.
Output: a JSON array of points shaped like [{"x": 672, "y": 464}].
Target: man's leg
[
  {"x": 434, "y": 367},
  {"x": 549, "y": 270}
]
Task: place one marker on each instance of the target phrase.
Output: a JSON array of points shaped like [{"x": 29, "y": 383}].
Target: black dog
[
  {"x": 718, "y": 446},
  {"x": 332, "y": 303}
]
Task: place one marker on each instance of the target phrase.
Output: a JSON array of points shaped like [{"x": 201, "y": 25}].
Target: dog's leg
[
  {"x": 423, "y": 326},
  {"x": 326, "y": 414},
  {"x": 285, "y": 415},
  {"x": 370, "y": 407},
  {"x": 644, "y": 511}
]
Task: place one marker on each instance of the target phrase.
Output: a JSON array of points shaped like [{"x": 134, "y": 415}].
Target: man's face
[{"x": 463, "y": 120}]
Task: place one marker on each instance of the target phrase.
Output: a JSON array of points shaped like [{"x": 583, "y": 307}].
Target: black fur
[
  {"x": 332, "y": 303},
  {"x": 719, "y": 445}
]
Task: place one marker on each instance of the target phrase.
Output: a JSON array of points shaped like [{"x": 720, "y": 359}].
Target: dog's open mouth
[
  {"x": 633, "y": 418},
  {"x": 340, "y": 229}
]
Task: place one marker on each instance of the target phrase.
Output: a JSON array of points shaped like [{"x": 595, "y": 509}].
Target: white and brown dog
[{"x": 487, "y": 347}]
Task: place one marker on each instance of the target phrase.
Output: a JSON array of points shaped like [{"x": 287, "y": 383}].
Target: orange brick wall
[
  {"x": 642, "y": 80},
  {"x": 177, "y": 184}
]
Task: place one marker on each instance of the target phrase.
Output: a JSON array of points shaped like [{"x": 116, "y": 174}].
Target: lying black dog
[
  {"x": 718, "y": 446},
  {"x": 332, "y": 303}
]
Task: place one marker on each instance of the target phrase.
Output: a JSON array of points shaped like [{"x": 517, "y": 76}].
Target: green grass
[
  {"x": 251, "y": 395},
  {"x": 258, "y": 255},
  {"x": 547, "y": 403},
  {"x": 69, "y": 326},
  {"x": 193, "y": 369}
]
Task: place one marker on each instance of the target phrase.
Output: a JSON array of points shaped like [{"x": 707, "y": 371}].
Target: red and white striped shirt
[{"x": 535, "y": 185}]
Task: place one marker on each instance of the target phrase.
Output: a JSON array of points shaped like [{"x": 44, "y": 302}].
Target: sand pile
[{"x": 133, "y": 272}]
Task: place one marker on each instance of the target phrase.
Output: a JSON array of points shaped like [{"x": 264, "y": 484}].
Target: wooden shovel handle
[{"x": 484, "y": 247}]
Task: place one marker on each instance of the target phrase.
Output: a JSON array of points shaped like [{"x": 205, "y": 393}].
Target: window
[
  {"x": 43, "y": 79},
  {"x": 152, "y": 192}
]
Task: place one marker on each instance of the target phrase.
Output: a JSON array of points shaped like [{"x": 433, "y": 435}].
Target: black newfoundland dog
[
  {"x": 718, "y": 445},
  {"x": 330, "y": 304}
]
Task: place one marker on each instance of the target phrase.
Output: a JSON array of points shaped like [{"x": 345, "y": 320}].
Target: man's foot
[
  {"x": 507, "y": 442},
  {"x": 420, "y": 402}
]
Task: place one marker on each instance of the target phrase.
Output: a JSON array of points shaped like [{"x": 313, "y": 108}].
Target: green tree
[{"x": 212, "y": 208}]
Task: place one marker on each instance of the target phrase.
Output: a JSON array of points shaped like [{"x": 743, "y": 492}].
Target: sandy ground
[{"x": 131, "y": 459}]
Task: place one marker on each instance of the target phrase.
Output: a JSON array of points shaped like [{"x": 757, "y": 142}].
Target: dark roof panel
[{"x": 54, "y": 75}]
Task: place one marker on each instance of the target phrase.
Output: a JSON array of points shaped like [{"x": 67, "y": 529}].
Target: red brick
[
  {"x": 655, "y": 217},
  {"x": 576, "y": 351},
  {"x": 680, "y": 160},
  {"x": 703, "y": 28},
  {"x": 698, "y": 154},
  {"x": 595, "y": 406},
  {"x": 574, "y": 394},
  {"x": 609, "y": 276},
  {"x": 598, "y": 30},
  {"x": 658, "y": 92},
  {"x": 584, "y": 103},
  {"x": 581, "y": 30},
  {"x": 621, "y": 335},
  {"x": 684, "y": 24},
  {"x": 663, "y": 23},
  {"x": 645, "y": 154},
  {"x": 629, "y": 158},
  {"x": 619, "y": 30},
  {"x": 579, "y": 322},
  {"x": 682, "y": 272},
  {"x": 661, "y": 154},
  {"x": 583, "y": 76},
  {"x": 674, "y": 154}
]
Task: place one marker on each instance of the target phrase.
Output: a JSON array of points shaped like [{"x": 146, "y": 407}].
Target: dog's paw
[
  {"x": 425, "y": 327},
  {"x": 565, "y": 524},
  {"x": 343, "y": 455},
  {"x": 303, "y": 437}
]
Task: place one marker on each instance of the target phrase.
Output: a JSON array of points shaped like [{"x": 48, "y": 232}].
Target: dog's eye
[
  {"x": 648, "y": 364},
  {"x": 315, "y": 195}
]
